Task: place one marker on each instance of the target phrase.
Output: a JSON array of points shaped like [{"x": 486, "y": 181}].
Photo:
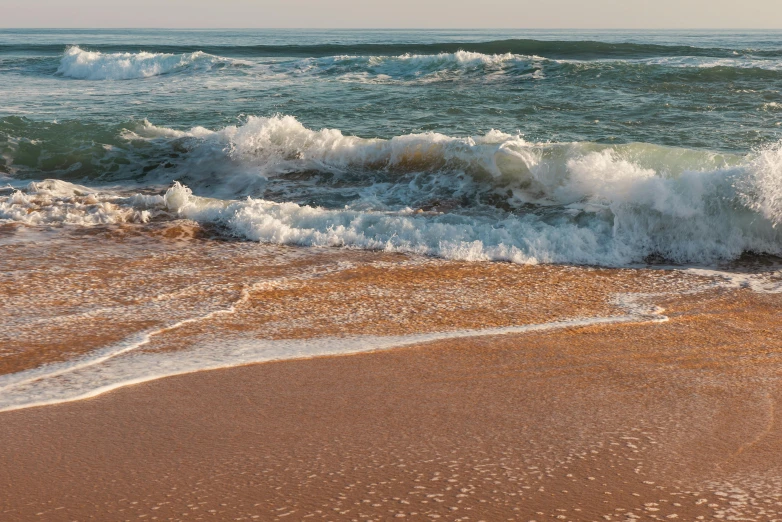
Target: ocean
[
  {"x": 606, "y": 148},
  {"x": 155, "y": 179}
]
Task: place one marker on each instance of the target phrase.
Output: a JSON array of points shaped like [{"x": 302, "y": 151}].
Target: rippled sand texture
[{"x": 636, "y": 420}]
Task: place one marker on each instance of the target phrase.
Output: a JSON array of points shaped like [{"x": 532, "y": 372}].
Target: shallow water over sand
[{"x": 91, "y": 310}]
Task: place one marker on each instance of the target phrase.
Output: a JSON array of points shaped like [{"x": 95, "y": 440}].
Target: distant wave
[
  {"x": 417, "y": 67},
  {"x": 508, "y": 66},
  {"x": 685, "y": 71},
  {"x": 510, "y": 59},
  {"x": 548, "y": 48},
  {"x": 92, "y": 65}
]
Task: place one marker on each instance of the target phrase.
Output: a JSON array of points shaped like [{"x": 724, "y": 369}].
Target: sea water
[{"x": 605, "y": 148}]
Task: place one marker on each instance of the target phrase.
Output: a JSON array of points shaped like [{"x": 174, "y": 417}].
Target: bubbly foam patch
[
  {"x": 91, "y": 65},
  {"x": 56, "y": 202},
  {"x": 683, "y": 62}
]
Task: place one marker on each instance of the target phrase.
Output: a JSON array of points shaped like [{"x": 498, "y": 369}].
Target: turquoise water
[{"x": 604, "y": 148}]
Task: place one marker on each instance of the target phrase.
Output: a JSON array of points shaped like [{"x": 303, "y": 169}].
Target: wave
[
  {"x": 584, "y": 49},
  {"x": 509, "y": 199},
  {"x": 461, "y": 65},
  {"x": 406, "y": 67},
  {"x": 432, "y": 62},
  {"x": 280, "y": 145},
  {"x": 92, "y": 65},
  {"x": 489, "y": 197}
]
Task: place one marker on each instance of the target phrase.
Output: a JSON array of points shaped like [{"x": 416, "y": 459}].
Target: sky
[{"x": 586, "y": 14}]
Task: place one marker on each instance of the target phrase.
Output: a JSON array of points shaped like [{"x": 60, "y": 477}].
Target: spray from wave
[{"x": 92, "y": 65}]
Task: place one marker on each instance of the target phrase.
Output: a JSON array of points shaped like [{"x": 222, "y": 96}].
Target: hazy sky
[{"x": 394, "y": 13}]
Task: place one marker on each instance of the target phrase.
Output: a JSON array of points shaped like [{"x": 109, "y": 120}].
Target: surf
[
  {"x": 488, "y": 197},
  {"x": 81, "y": 64}
]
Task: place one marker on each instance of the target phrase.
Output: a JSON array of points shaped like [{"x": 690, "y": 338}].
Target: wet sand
[
  {"x": 71, "y": 292},
  {"x": 635, "y": 421}
]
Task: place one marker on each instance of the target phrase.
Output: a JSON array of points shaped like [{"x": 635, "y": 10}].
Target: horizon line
[{"x": 399, "y": 28}]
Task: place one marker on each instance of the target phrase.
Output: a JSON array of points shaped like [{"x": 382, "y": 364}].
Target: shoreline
[
  {"x": 669, "y": 413},
  {"x": 606, "y": 420},
  {"x": 355, "y": 345},
  {"x": 154, "y": 301}
]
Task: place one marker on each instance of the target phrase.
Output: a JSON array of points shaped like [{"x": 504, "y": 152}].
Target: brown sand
[
  {"x": 620, "y": 422},
  {"x": 602, "y": 423}
]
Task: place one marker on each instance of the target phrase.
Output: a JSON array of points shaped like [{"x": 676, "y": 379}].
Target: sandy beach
[
  {"x": 349, "y": 261},
  {"x": 629, "y": 421}
]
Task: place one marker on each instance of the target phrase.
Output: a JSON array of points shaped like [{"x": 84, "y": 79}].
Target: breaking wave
[
  {"x": 92, "y": 65},
  {"x": 489, "y": 197}
]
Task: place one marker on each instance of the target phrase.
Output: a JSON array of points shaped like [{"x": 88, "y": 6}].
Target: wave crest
[
  {"x": 92, "y": 65},
  {"x": 278, "y": 145},
  {"x": 409, "y": 67}
]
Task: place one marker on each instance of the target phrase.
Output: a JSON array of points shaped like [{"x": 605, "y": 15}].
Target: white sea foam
[
  {"x": 56, "y": 202},
  {"x": 626, "y": 234},
  {"x": 92, "y": 65},
  {"x": 771, "y": 64},
  {"x": 280, "y": 144},
  {"x": 99, "y": 357},
  {"x": 767, "y": 281},
  {"x": 424, "y": 63}
]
